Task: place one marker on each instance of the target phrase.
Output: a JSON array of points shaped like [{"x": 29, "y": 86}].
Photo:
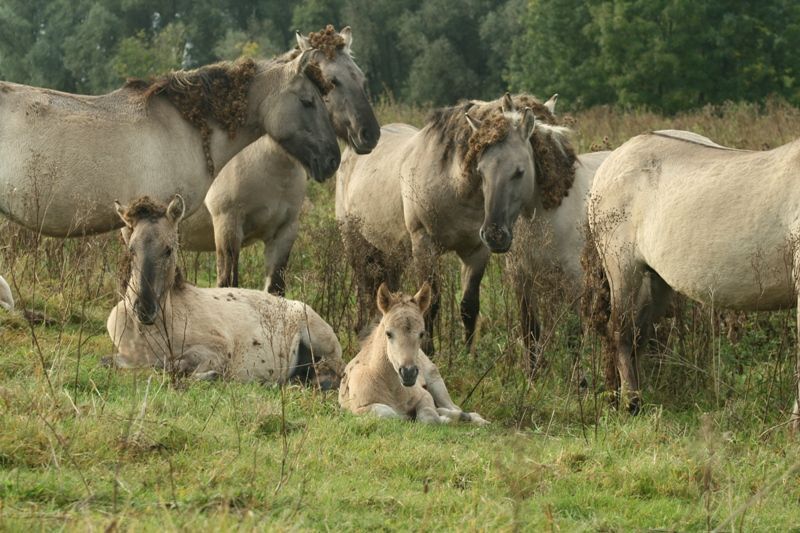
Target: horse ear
[
  {"x": 303, "y": 42},
  {"x": 508, "y": 104},
  {"x": 126, "y": 233},
  {"x": 385, "y": 298},
  {"x": 347, "y": 35},
  {"x": 302, "y": 62},
  {"x": 474, "y": 123},
  {"x": 176, "y": 209},
  {"x": 423, "y": 297},
  {"x": 528, "y": 123},
  {"x": 121, "y": 211},
  {"x": 550, "y": 104}
]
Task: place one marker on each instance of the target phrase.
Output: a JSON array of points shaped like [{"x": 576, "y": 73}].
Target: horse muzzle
[
  {"x": 364, "y": 142},
  {"x": 497, "y": 238},
  {"x": 324, "y": 168},
  {"x": 408, "y": 375},
  {"x": 146, "y": 317}
]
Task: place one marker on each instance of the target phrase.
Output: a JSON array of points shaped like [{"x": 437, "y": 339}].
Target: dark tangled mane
[
  {"x": 327, "y": 40},
  {"x": 144, "y": 208},
  {"x": 217, "y": 92},
  {"x": 554, "y": 156}
]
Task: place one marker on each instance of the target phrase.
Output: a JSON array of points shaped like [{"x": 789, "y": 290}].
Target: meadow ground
[{"x": 83, "y": 447}]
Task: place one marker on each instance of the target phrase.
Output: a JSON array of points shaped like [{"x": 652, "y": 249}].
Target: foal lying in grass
[
  {"x": 391, "y": 377},
  {"x": 238, "y": 334}
]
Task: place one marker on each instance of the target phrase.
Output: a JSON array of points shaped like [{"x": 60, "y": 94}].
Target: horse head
[
  {"x": 151, "y": 236},
  {"x": 346, "y": 98},
  {"x": 404, "y": 327},
  {"x": 503, "y": 161},
  {"x": 296, "y": 116}
]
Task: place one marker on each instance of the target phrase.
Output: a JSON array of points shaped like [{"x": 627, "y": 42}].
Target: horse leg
[
  {"x": 276, "y": 257},
  {"x": 529, "y": 322},
  {"x": 473, "y": 265},
  {"x": 426, "y": 260},
  {"x": 381, "y": 410},
  {"x": 228, "y": 235}
]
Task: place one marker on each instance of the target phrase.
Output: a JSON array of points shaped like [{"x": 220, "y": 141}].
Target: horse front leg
[
  {"x": 473, "y": 265},
  {"x": 795, "y": 420}
]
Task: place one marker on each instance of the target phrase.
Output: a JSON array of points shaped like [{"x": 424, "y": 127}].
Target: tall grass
[{"x": 84, "y": 446}]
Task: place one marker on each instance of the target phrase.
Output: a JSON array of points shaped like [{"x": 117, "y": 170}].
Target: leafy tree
[{"x": 141, "y": 56}]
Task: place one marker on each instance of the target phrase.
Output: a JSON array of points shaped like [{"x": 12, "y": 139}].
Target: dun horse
[
  {"x": 391, "y": 376},
  {"x": 545, "y": 259},
  {"x": 64, "y": 158},
  {"x": 6, "y": 299},
  {"x": 671, "y": 213},
  {"x": 240, "y": 334},
  {"x": 458, "y": 184},
  {"x": 259, "y": 194}
]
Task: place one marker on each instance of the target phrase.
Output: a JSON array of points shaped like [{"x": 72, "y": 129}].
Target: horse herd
[{"x": 218, "y": 158}]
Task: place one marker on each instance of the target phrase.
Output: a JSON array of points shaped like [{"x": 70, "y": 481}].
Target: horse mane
[
  {"x": 554, "y": 155},
  {"x": 217, "y": 92}
]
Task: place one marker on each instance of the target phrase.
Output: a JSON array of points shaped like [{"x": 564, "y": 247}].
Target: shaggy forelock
[{"x": 145, "y": 208}]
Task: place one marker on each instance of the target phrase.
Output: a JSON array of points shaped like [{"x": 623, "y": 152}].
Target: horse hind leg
[
  {"x": 228, "y": 235},
  {"x": 276, "y": 258}
]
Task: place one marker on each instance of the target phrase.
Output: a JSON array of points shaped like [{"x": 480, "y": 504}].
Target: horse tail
[{"x": 596, "y": 296}]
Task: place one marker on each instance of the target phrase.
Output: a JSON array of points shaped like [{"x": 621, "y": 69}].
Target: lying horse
[
  {"x": 240, "y": 334},
  {"x": 458, "y": 184},
  {"x": 258, "y": 195},
  {"x": 391, "y": 377},
  {"x": 669, "y": 213},
  {"x": 6, "y": 299},
  {"x": 64, "y": 158}
]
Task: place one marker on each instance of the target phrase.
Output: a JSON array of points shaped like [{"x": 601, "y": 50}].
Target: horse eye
[
  {"x": 307, "y": 102},
  {"x": 421, "y": 334},
  {"x": 517, "y": 175},
  {"x": 335, "y": 82},
  {"x": 168, "y": 252},
  {"x": 389, "y": 335}
]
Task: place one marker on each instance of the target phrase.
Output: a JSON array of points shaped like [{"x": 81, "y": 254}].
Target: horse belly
[{"x": 62, "y": 179}]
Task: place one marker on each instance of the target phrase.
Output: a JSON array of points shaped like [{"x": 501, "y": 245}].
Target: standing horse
[
  {"x": 718, "y": 225},
  {"x": 241, "y": 334},
  {"x": 545, "y": 259},
  {"x": 64, "y": 158},
  {"x": 259, "y": 194},
  {"x": 391, "y": 376},
  {"x": 458, "y": 184}
]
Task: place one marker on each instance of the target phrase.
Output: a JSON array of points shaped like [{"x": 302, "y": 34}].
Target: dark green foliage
[{"x": 668, "y": 55}]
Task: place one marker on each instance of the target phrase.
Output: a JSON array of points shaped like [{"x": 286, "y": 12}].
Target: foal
[
  {"x": 240, "y": 334},
  {"x": 391, "y": 377}
]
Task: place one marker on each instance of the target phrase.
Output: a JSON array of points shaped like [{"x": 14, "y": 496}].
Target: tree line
[{"x": 667, "y": 55}]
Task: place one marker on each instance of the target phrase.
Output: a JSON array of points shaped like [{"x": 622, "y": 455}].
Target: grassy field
[{"x": 83, "y": 447}]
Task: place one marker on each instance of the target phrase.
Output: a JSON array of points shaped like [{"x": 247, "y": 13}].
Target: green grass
[{"x": 83, "y": 447}]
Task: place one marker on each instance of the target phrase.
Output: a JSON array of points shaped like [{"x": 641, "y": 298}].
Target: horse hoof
[{"x": 107, "y": 361}]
